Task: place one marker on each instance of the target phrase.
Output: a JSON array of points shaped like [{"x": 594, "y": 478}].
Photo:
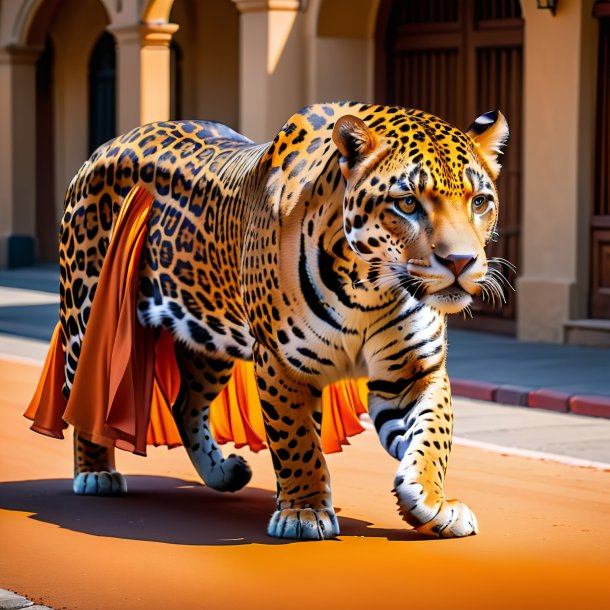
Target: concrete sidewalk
[{"x": 480, "y": 365}]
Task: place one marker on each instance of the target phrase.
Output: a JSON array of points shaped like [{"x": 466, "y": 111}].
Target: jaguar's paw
[
  {"x": 100, "y": 484},
  {"x": 231, "y": 474},
  {"x": 454, "y": 520},
  {"x": 304, "y": 523}
]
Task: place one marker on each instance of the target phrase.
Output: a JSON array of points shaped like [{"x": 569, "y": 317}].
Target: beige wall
[
  {"x": 340, "y": 50},
  {"x": 209, "y": 40},
  {"x": 74, "y": 32},
  {"x": 272, "y": 70},
  {"x": 336, "y": 73},
  {"x": 558, "y": 142}
]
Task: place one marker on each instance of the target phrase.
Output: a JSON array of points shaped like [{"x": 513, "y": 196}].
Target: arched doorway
[
  {"x": 102, "y": 92},
  {"x": 69, "y": 34},
  {"x": 459, "y": 59}
]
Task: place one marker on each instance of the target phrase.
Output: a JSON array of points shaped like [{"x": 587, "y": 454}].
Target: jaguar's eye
[
  {"x": 406, "y": 205},
  {"x": 480, "y": 204}
]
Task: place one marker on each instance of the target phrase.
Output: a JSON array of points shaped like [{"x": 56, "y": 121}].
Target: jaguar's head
[{"x": 421, "y": 202}]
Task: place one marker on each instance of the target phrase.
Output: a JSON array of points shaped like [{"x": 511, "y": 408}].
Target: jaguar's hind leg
[
  {"x": 85, "y": 232},
  {"x": 94, "y": 470},
  {"x": 94, "y": 467},
  {"x": 203, "y": 378}
]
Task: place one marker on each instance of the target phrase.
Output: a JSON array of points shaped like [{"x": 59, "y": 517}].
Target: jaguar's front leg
[
  {"x": 292, "y": 414},
  {"x": 415, "y": 426}
]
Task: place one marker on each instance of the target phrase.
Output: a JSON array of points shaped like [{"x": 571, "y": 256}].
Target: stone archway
[
  {"x": 44, "y": 80},
  {"x": 156, "y": 11}
]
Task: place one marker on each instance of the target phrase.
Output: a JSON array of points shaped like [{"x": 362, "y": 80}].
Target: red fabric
[
  {"x": 48, "y": 404},
  {"x": 127, "y": 377}
]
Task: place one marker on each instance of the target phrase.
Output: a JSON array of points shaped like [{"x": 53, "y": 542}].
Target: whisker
[
  {"x": 501, "y": 278},
  {"x": 502, "y": 261}
]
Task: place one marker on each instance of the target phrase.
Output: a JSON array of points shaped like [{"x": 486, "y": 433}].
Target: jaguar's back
[{"x": 179, "y": 163}]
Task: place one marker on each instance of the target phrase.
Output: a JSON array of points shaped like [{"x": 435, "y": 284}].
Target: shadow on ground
[{"x": 164, "y": 509}]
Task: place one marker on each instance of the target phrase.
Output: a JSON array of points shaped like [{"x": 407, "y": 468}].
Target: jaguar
[{"x": 334, "y": 252}]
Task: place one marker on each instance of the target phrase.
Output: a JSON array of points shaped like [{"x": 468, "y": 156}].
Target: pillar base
[{"x": 544, "y": 306}]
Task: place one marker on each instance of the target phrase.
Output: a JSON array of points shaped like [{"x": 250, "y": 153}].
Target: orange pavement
[{"x": 172, "y": 544}]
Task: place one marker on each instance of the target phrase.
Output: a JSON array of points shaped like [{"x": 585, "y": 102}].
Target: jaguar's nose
[{"x": 456, "y": 263}]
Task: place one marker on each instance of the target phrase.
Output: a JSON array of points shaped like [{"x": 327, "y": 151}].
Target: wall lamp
[{"x": 550, "y": 5}]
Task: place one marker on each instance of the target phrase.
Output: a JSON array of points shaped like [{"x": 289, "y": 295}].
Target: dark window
[
  {"x": 46, "y": 221},
  {"x": 102, "y": 92}
]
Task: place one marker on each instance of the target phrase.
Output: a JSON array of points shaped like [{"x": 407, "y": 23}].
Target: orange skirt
[{"x": 127, "y": 378}]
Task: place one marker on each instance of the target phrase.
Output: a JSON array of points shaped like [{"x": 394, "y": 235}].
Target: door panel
[
  {"x": 600, "y": 223},
  {"x": 458, "y": 59}
]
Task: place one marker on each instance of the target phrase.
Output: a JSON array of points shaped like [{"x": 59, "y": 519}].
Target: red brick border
[
  {"x": 481, "y": 390},
  {"x": 549, "y": 399},
  {"x": 594, "y": 406},
  {"x": 590, "y": 405}
]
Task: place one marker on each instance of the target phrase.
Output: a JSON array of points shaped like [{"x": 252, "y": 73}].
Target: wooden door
[
  {"x": 600, "y": 221},
  {"x": 458, "y": 59}
]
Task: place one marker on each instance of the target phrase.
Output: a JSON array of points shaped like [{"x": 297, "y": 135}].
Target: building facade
[{"x": 74, "y": 73}]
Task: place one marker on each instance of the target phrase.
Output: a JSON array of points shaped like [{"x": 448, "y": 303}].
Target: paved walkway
[
  {"x": 174, "y": 544},
  {"x": 29, "y": 309},
  {"x": 503, "y": 360},
  {"x": 543, "y": 525}
]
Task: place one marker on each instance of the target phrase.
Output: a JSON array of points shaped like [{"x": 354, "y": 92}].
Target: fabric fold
[{"x": 127, "y": 377}]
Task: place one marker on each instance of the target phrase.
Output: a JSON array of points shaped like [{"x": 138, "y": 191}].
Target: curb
[{"x": 582, "y": 404}]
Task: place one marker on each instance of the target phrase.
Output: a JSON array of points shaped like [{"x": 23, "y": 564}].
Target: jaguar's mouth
[
  {"x": 451, "y": 299},
  {"x": 453, "y": 291}
]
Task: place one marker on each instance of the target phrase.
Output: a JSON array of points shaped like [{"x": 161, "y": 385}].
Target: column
[
  {"x": 272, "y": 58},
  {"x": 18, "y": 156},
  {"x": 143, "y": 73},
  {"x": 559, "y": 111}
]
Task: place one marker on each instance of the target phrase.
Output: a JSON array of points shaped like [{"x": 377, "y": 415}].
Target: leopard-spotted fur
[{"x": 334, "y": 251}]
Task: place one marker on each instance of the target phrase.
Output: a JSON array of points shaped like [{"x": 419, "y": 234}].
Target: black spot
[
  {"x": 270, "y": 410},
  {"x": 147, "y": 173},
  {"x": 198, "y": 333}
]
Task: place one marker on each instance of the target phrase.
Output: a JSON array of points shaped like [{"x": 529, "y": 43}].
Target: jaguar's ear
[
  {"x": 490, "y": 134},
  {"x": 354, "y": 140}
]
